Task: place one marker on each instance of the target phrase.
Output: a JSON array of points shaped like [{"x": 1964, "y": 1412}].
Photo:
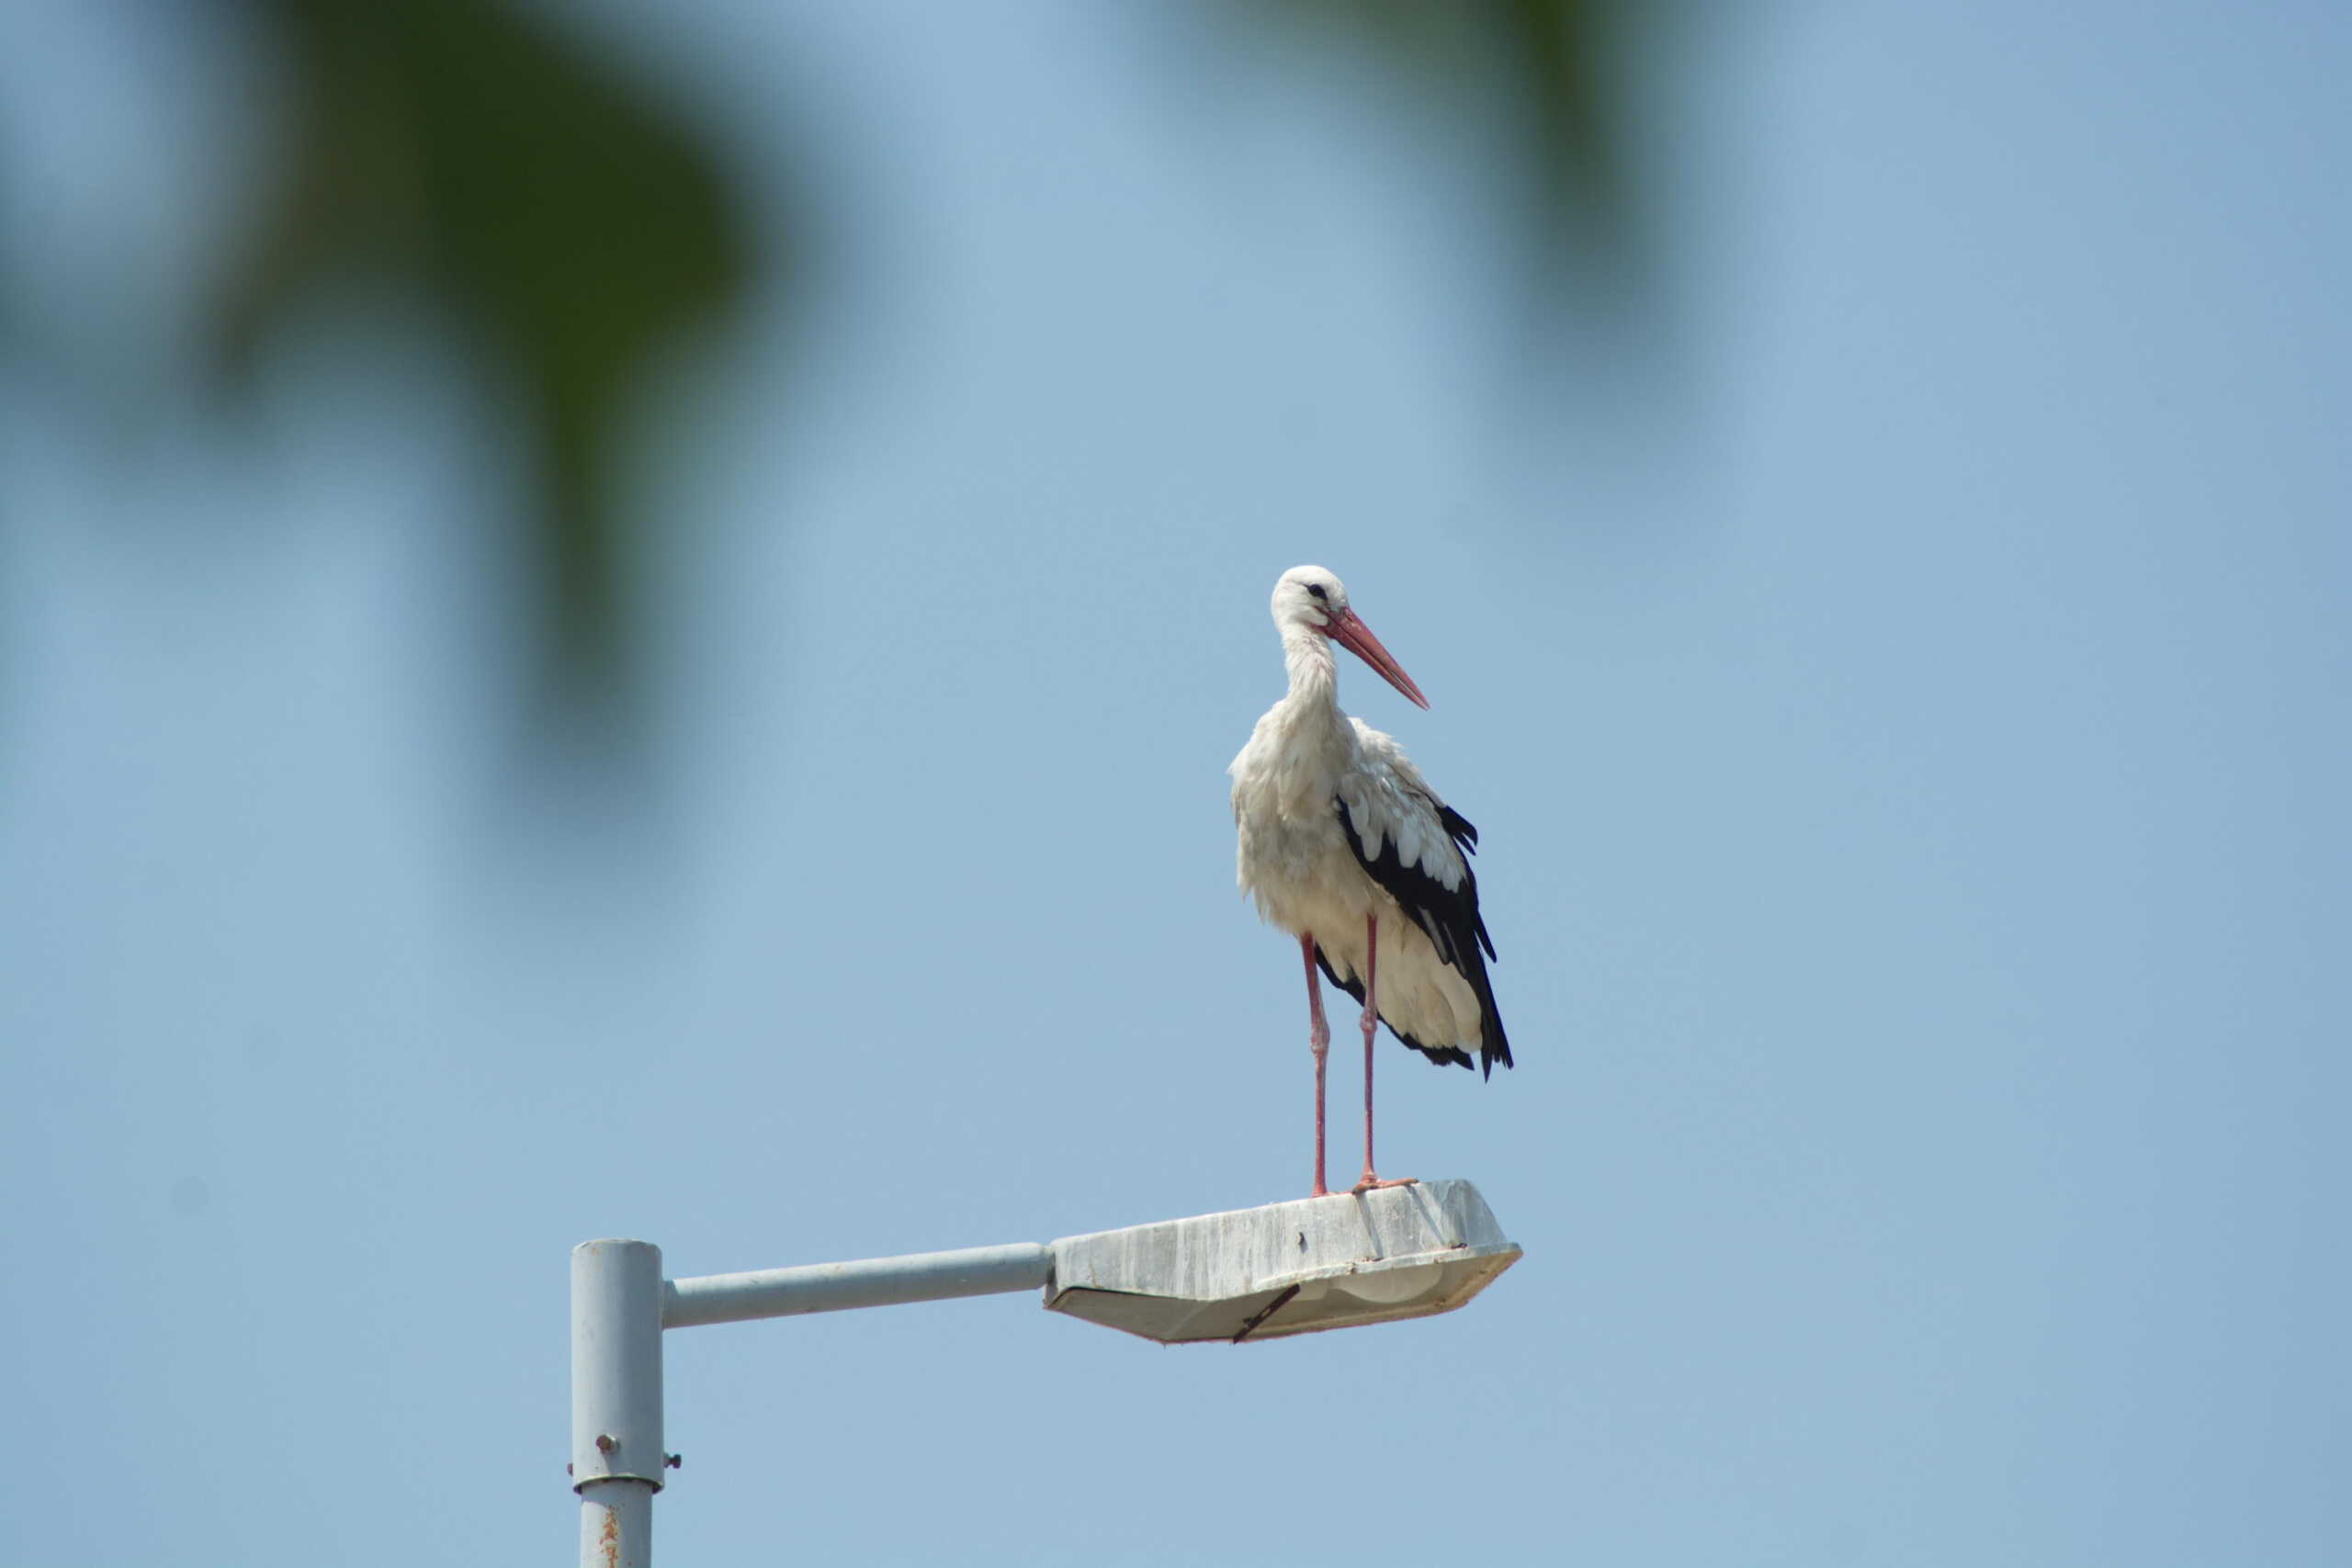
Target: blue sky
[{"x": 1904, "y": 709}]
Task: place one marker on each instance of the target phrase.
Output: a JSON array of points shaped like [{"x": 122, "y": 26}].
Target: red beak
[{"x": 1347, "y": 628}]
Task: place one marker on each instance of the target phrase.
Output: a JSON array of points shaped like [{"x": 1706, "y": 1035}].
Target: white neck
[{"x": 1313, "y": 675}]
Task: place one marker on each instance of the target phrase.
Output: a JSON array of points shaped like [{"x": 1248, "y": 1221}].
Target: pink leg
[
  {"x": 1367, "y": 1181},
  {"x": 1318, "y": 1040}
]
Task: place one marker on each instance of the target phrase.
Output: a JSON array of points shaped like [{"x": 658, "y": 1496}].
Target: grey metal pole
[
  {"x": 1282, "y": 1269},
  {"x": 869, "y": 1282},
  {"x": 616, "y": 1456}
]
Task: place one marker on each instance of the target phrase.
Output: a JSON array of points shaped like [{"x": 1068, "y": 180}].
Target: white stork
[{"x": 1345, "y": 846}]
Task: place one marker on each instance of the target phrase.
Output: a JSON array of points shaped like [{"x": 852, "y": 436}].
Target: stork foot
[{"x": 1367, "y": 1181}]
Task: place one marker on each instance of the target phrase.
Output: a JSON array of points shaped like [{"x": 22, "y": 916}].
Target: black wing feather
[{"x": 1451, "y": 919}]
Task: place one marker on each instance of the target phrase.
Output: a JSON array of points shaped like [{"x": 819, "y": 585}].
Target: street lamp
[{"x": 1284, "y": 1268}]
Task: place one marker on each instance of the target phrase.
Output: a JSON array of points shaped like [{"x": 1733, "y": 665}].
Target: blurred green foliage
[
  {"x": 1552, "y": 74},
  {"x": 574, "y": 228},
  {"x": 570, "y": 225}
]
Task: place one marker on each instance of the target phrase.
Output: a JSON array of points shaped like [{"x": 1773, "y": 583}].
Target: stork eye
[{"x": 1316, "y": 589}]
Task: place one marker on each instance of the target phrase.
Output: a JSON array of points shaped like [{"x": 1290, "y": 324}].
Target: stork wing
[{"x": 1417, "y": 848}]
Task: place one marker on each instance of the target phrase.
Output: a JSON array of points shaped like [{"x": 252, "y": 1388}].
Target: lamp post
[{"x": 1249, "y": 1274}]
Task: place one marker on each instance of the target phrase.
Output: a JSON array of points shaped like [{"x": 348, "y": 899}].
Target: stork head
[{"x": 1311, "y": 599}]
